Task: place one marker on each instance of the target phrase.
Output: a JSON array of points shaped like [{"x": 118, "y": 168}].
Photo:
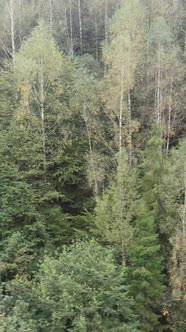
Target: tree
[
  {"x": 115, "y": 210},
  {"x": 35, "y": 70},
  {"x": 7, "y": 98},
  {"x": 178, "y": 266},
  {"x": 83, "y": 290},
  {"x": 145, "y": 276},
  {"x": 46, "y": 80},
  {"x": 168, "y": 76},
  {"x": 160, "y": 94},
  {"x": 145, "y": 272},
  {"x": 85, "y": 102},
  {"x": 122, "y": 57},
  {"x": 17, "y": 21}
]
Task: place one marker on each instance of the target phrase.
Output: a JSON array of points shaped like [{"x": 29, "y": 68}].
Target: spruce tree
[
  {"x": 84, "y": 290},
  {"x": 145, "y": 276},
  {"x": 178, "y": 239}
]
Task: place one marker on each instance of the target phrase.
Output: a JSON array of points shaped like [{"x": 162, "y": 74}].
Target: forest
[{"x": 92, "y": 165}]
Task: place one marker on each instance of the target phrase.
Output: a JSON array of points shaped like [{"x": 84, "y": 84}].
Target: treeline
[{"x": 92, "y": 165}]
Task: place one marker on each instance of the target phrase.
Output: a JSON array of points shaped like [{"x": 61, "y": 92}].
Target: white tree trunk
[
  {"x": 106, "y": 21},
  {"x": 129, "y": 99},
  {"x": 96, "y": 32},
  {"x": 183, "y": 248},
  {"x": 20, "y": 21},
  {"x": 12, "y": 26},
  {"x": 158, "y": 93},
  {"x": 129, "y": 127},
  {"x": 51, "y": 16},
  {"x": 121, "y": 108},
  {"x": 66, "y": 29},
  {"x": 71, "y": 30},
  {"x": 80, "y": 27},
  {"x": 169, "y": 116},
  {"x": 42, "y": 110}
]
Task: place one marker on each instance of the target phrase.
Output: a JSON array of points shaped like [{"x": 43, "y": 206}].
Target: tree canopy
[{"x": 92, "y": 165}]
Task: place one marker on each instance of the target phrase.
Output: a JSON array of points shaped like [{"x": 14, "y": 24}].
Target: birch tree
[
  {"x": 122, "y": 57},
  {"x": 116, "y": 209},
  {"x": 11, "y": 9},
  {"x": 39, "y": 65},
  {"x": 8, "y": 33},
  {"x": 80, "y": 26},
  {"x": 163, "y": 68},
  {"x": 17, "y": 21},
  {"x": 71, "y": 29},
  {"x": 100, "y": 12},
  {"x": 165, "y": 78},
  {"x": 85, "y": 102}
]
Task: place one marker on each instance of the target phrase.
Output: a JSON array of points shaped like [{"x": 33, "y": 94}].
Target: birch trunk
[
  {"x": 169, "y": 116},
  {"x": 12, "y": 25},
  {"x": 96, "y": 32},
  {"x": 129, "y": 98},
  {"x": 130, "y": 127},
  {"x": 158, "y": 108},
  {"x": 42, "y": 110},
  {"x": 106, "y": 21},
  {"x": 51, "y": 17},
  {"x": 71, "y": 30},
  {"x": 121, "y": 108},
  {"x": 66, "y": 29},
  {"x": 20, "y": 21},
  {"x": 80, "y": 27},
  {"x": 106, "y": 30},
  {"x": 131, "y": 74},
  {"x": 183, "y": 257}
]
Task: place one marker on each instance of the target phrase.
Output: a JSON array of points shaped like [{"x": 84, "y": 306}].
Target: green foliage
[
  {"x": 16, "y": 306},
  {"x": 145, "y": 273},
  {"x": 121, "y": 58},
  {"x": 83, "y": 290},
  {"x": 116, "y": 208},
  {"x": 7, "y": 96},
  {"x": 178, "y": 240},
  {"x": 80, "y": 80}
]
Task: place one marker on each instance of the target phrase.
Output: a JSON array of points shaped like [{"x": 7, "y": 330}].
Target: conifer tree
[
  {"x": 145, "y": 276},
  {"x": 178, "y": 259},
  {"x": 46, "y": 83},
  {"x": 90, "y": 293}
]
